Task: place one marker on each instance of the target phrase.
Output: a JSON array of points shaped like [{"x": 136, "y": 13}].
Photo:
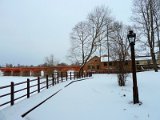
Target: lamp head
[{"x": 131, "y": 37}]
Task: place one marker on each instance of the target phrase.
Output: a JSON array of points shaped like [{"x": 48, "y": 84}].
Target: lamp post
[{"x": 131, "y": 37}]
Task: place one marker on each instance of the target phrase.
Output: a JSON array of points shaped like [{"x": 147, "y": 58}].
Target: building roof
[
  {"x": 105, "y": 58},
  {"x": 143, "y": 58}
]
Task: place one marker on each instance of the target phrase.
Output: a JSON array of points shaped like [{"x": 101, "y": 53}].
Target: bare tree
[
  {"x": 156, "y": 15},
  {"x": 50, "y": 61},
  {"x": 119, "y": 50},
  {"x": 146, "y": 18},
  {"x": 80, "y": 42},
  {"x": 86, "y": 34},
  {"x": 105, "y": 38}
]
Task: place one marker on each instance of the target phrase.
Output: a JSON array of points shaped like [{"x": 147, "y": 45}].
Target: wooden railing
[{"x": 36, "y": 85}]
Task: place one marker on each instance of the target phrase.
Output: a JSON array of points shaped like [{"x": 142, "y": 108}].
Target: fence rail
[{"x": 37, "y": 85}]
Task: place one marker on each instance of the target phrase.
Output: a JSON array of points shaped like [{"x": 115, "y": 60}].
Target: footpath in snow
[{"x": 97, "y": 98}]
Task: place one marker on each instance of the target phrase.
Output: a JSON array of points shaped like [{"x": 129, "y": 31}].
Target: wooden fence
[{"x": 37, "y": 85}]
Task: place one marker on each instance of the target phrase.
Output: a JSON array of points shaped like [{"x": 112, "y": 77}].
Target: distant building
[
  {"x": 144, "y": 62},
  {"x": 93, "y": 65},
  {"x": 158, "y": 58},
  {"x": 101, "y": 64}
]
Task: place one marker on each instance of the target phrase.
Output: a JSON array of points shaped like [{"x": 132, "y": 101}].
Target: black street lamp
[{"x": 131, "y": 37}]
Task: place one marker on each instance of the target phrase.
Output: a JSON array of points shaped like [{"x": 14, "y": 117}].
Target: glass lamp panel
[{"x": 131, "y": 39}]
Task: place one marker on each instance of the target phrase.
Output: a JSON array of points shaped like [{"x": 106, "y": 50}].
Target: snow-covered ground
[{"x": 97, "y": 98}]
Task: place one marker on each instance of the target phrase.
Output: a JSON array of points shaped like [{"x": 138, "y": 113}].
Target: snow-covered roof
[
  {"x": 143, "y": 58},
  {"x": 105, "y": 59}
]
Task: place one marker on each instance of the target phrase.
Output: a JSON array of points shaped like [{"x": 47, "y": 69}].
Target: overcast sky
[{"x": 30, "y": 30}]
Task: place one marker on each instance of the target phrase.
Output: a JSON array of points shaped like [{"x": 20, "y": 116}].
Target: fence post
[
  {"x": 28, "y": 88},
  {"x": 53, "y": 79},
  {"x": 84, "y": 74},
  {"x": 57, "y": 77},
  {"x": 66, "y": 76},
  {"x": 77, "y": 74},
  {"x": 12, "y": 93},
  {"x": 87, "y": 74},
  {"x": 90, "y": 74},
  {"x": 61, "y": 76},
  {"x": 74, "y": 75},
  {"x": 47, "y": 81},
  {"x": 38, "y": 85},
  {"x": 70, "y": 76}
]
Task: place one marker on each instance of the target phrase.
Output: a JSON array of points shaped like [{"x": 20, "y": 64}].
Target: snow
[
  {"x": 104, "y": 59},
  {"x": 96, "y": 98},
  {"x": 1, "y": 73},
  {"x": 143, "y": 58}
]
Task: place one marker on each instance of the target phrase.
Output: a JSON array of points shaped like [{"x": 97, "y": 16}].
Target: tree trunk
[
  {"x": 154, "y": 60},
  {"x": 152, "y": 36}
]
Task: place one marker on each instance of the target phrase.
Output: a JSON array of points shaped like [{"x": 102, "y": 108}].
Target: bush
[{"x": 122, "y": 79}]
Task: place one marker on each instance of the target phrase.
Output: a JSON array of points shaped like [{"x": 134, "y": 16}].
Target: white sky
[{"x": 30, "y": 30}]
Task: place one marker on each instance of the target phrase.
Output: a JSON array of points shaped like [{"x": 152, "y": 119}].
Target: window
[
  {"x": 105, "y": 64},
  {"x": 93, "y": 67},
  {"x": 97, "y": 67},
  {"x": 126, "y": 62},
  {"x": 110, "y": 64},
  {"x": 89, "y": 67}
]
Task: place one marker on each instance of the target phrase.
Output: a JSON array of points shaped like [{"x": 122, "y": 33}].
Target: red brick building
[{"x": 98, "y": 64}]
